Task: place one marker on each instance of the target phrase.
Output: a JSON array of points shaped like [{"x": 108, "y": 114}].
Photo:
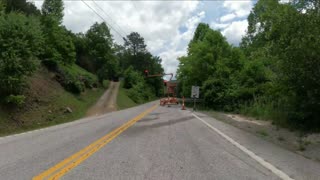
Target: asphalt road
[{"x": 161, "y": 143}]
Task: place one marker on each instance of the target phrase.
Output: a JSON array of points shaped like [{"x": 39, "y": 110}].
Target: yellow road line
[{"x": 69, "y": 163}]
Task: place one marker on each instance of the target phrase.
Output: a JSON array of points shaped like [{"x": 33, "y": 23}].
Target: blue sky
[{"x": 167, "y": 26}]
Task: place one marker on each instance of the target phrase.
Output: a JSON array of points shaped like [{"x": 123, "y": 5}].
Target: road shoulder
[{"x": 295, "y": 165}]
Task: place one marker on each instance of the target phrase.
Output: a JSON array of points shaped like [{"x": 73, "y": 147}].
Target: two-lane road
[{"x": 148, "y": 142}]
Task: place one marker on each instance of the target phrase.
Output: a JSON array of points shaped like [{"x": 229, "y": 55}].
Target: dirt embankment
[{"x": 107, "y": 102}]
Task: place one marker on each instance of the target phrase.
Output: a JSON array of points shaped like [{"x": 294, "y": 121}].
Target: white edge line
[{"x": 265, "y": 164}]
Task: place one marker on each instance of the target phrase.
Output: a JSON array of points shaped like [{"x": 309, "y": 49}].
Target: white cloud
[
  {"x": 178, "y": 46},
  {"x": 169, "y": 60},
  {"x": 284, "y": 1},
  {"x": 215, "y": 25},
  {"x": 234, "y": 24},
  {"x": 239, "y": 8},
  {"x": 227, "y": 17},
  {"x": 235, "y": 31},
  {"x": 158, "y": 22}
]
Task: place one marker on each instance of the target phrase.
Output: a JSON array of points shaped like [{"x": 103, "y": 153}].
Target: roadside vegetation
[
  {"x": 273, "y": 75},
  {"x": 123, "y": 99},
  {"x": 72, "y": 69}
]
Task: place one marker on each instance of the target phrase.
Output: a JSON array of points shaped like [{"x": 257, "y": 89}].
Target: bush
[
  {"x": 75, "y": 86},
  {"x": 50, "y": 64},
  {"x": 15, "y": 99},
  {"x": 20, "y": 43},
  {"x": 131, "y": 78},
  {"x": 140, "y": 93},
  {"x": 88, "y": 81},
  {"x": 267, "y": 109},
  {"x": 59, "y": 45},
  {"x": 75, "y": 79}
]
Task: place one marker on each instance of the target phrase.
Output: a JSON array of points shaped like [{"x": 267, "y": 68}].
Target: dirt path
[{"x": 107, "y": 102}]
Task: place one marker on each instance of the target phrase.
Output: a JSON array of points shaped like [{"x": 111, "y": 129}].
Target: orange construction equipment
[{"x": 169, "y": 94}]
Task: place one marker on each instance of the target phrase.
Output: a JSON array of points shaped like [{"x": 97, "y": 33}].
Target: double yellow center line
[{"x": 66, "y": 165}]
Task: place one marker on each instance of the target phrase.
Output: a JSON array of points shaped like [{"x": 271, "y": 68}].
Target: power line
[
  {"x": 124, "y": 32},
  {"x": 102, "y": 18}
]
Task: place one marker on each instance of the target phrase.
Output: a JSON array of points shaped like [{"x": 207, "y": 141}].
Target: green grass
[
  {"x": 75, "y": 70},
  {"x": 105, "y": 84},
  {"x": 266, "y": 109},
  {"x": 47, "y": 102},
  {"x": 51, "y": 112},
  {"x": 123, "y": 101}
]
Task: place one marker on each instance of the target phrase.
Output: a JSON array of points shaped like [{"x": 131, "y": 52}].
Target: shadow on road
[
  {"x": 166, "y": 123},
  {"x": 148, "y": 119}
]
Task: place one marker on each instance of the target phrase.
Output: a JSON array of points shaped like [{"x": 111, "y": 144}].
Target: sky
[{"x": 167, "y": 26}]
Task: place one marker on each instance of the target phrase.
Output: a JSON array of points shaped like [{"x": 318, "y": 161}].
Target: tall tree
[
  {"x": 136, "y": 52},
  {"x": 100, "y": 49},
  {"x": 21, "y": 6},
  {"x": 135, "y": 43},
  {"x": 287, "y": 34},
  {"x": 53, "y": 9}
]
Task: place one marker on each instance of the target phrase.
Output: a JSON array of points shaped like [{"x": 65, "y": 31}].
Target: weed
[
  {"x": 263, "y": 133},
  {"x": 302, "y": 147},
  {"x": 306, "y": 143}
]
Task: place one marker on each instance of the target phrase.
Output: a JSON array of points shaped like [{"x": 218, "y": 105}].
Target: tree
[
  {"x": 135, "y": 43},
  {"x": 287, "y": 34},
  {"x": 2, "y": 8},
  {"x": 59, "y": 43},
  {"x": 100, "y": 50},
  {"x": 205, "y": 50},
  {"x": 59, "y": 46},
  {"x": 21, "y": 41},
  {"x": 22, "y": 6},
  {"x": 53, "y": 9}
]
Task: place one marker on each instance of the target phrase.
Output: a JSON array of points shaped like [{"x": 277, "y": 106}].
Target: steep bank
[{"x": 47, "y": 103}]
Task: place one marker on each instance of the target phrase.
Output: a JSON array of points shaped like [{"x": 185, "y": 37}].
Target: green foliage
[
  {"x": 265, "y": 108},
  {"x": 17, "y": 30},
  {"x": 135, "y": 43},
  {"x": 273, "y": 75},
  {"x": 95, "y": 52},
  {"x": 59, "y": 42},
  {"x": 59, "y": 45},
  {"x": 26, "y": 38},
  {"x": 123, "y": 100},
  {"x": 53, "y": 9},
  {"x": 292, "y": 44},
  {"x": 131, "y": 78},
  {"x": 138, "y": 91},
  {"x": 22, "y": 6},
  {"x": 16, "y": 100},
  {"x": 75, "y": 79}
]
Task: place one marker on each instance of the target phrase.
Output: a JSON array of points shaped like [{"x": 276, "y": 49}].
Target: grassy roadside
[
  {"x": 47, "y": 104},
  {"x": 123, "y": 101},
  {"x": 305, "y": 144},
  {"x": 52, "y": 113}
]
